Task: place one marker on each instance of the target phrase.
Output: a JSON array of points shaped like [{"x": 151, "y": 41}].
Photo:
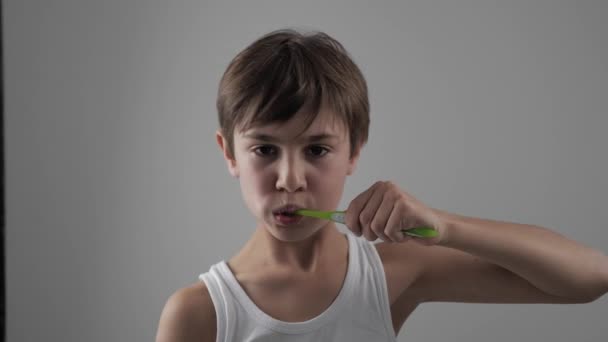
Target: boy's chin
[
  {"x": 296, "y": 232},
  {"x": 293, "y": 236}
]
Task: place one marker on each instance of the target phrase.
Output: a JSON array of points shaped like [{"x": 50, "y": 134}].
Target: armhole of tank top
[
  {"x": 378, "y": 269},
  {"x": 218, "y": 304}
]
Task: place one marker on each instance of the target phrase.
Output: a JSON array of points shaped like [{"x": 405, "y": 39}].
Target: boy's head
[
  {"x": 294, "y": 114},
  {"x": 275, "y": 76}
]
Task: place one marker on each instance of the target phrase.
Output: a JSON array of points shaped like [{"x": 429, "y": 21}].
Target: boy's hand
[{"x": 383, "y": 210}]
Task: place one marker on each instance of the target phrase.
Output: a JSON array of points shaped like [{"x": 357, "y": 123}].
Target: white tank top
[{"x": 360, "y": 312}]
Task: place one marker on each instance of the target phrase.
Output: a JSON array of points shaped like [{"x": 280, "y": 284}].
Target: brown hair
[{"x": 271, "y": 79}]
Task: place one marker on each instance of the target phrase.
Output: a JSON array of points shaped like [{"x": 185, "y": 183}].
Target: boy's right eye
[{"x": 265, "y": 150}]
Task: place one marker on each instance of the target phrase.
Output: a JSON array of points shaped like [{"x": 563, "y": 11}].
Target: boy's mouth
[
  {"x": 287, "y": 210},
  {"x": 286, "y": 215}
]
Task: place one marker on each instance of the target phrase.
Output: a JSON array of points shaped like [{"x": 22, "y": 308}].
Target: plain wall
[{"x": 117, "y": 194}]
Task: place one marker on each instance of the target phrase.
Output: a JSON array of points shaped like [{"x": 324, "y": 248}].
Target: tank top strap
[
  {"x": 224, "y": 312},
  {"x": 373, "y": 273}
]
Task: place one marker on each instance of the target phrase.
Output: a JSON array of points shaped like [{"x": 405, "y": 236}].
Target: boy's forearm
[{"x": 551, "y": 262}]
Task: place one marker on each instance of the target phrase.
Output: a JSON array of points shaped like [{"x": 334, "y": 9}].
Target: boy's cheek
[
  {"x": 253, "y": 198},
  {"x": 330, "y": 192},
  {"x": 256, "y": 190}
]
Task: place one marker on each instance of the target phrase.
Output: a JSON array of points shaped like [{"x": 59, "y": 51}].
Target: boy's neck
[{"x": 306, "y": 256}]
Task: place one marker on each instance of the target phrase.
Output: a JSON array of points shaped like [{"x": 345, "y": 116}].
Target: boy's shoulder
[{"x": 188, "y": 315}]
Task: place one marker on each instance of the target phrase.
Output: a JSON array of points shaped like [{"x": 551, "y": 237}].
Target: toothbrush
[{"x": 340, "y": 217}]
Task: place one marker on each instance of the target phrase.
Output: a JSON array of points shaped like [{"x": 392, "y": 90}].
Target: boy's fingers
[
  {"x": 381, "y": 216},
  {"x": 394, "y": 226},
  {"x": 354, "y": 209},
  {"x": 369, "y": 211}
]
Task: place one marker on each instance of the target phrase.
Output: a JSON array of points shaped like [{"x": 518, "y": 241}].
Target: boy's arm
[
  {"x": 503, "y": 262},
  {"x": 188, "y": 316},
  {"x": 486, "y": 261}
]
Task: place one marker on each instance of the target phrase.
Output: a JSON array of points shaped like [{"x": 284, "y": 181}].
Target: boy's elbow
[
  {"x": 600, "y": 287},
  {"x": 595, "y": 295},
  {"x": 603, "y": 288}
]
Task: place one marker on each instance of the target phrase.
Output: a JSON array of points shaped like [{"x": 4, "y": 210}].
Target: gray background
[{"x": 117, "y": 194}]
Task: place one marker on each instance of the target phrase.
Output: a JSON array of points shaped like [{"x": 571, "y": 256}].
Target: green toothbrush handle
[
  {"x": 421, "y": 232},
  {"x": 340, "y": 216}
]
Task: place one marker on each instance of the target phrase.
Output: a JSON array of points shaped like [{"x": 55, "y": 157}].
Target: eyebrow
[{"x": 310, "y": 138}]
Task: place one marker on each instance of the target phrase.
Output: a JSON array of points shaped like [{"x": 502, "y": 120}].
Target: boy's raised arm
[
  {"x": 487, "y": 260},
  {"x": 549, "y": 261}
]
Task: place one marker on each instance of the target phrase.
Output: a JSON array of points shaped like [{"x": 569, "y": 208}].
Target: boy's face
[{"x": 276, "y": 167}]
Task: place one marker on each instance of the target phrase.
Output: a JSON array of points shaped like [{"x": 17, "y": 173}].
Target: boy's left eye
[{"x": 317, "y": 151}]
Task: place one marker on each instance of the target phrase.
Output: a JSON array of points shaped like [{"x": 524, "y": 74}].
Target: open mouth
[
  {"x": 286, "y": 214},
  {"x": 288, "y": 210}
]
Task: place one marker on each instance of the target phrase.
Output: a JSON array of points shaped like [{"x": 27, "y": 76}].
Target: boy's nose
[{"x": 291, "y": 176}]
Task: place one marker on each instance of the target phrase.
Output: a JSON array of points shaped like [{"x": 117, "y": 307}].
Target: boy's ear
[
  {"x": 230, "y": 160},
  {"x": 352, "y": 163}
]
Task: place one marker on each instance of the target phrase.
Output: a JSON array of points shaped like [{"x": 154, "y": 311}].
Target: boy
[{"x": 294, "y": 116}]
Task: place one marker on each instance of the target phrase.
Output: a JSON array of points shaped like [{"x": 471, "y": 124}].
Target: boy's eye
[
  {"x": 317, "y": 151},
  {"x": 270, "y": 151},
  {"x": 265, "y": 150}
]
